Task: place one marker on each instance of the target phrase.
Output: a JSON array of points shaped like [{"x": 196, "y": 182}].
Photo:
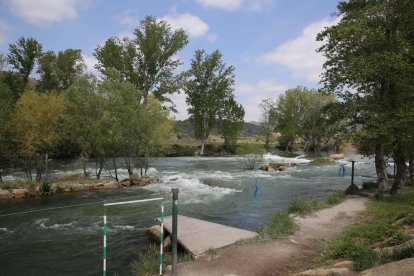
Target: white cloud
[
  {"x": 90, "y": 62},
  {"x": 232, "y": 5},
  {"x": 129, "y": 19},
  {"x": 299, "y": 54},
  {"x": 4, "y": 28},
  {"x": 212, "y": 37},
  {"x": 43, "y": 12},
  {"x": 251, "y": 95},
  {"x": 191, "y": 24},
  {"x": 180, "y": 105}
]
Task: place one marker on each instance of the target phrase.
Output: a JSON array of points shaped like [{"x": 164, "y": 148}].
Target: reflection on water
[{"x": 69, "y": 241}]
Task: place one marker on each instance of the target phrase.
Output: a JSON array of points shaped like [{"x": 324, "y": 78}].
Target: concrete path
[{"x": 198, "y": 236}]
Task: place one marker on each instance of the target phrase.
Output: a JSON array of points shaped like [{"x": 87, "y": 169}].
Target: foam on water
[
  {"x": 192, "y": 190},
  {"x": 271, "y": 157},
  {"x": 123, "y": 227},
  {"x": 5, "y": 230}
]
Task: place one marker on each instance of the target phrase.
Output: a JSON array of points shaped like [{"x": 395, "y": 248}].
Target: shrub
[
  {"x": 45, "y": 189},
  {"x": 300, "y": 206},
  {"x": 370, "y": 185},
  {"x": 251, "y": 161}
]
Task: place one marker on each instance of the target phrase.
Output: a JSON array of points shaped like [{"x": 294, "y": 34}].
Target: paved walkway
[{"x": 198, "y": 236}]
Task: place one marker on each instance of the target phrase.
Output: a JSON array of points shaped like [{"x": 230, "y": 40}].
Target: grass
[
  {"x": 148, "y": 262},
  {"x": 282, "y": 223},
  {"x": 305, "y": 207},
  {"x": 212, "y": 251},
  {"x": 378, "y": 227}
]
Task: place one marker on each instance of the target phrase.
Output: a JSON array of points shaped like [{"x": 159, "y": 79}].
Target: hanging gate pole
[
  {"x": 162, "y": 239},
  {"x": 175, "y": 192},
  {"x": 104, "y": 247}
]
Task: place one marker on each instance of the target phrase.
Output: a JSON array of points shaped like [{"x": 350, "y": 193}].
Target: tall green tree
[
  {"x": 267, "y": 126},
  {"x": 298, "y": 114},
  {"x": 148, "y": 60},
  {"x": 209, "y": 82},
  {"x": 369, "y": 64},
  {"x": 88, "y": 127},
  {"x": 231, "y": 120},
  {"x": 23, "y": 56},
  {"x": 59, "y": 72}
]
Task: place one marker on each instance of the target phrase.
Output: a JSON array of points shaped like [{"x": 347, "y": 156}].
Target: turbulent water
[{"x": 68, "y": 241}]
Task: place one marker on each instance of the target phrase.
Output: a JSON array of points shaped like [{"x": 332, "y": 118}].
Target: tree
[
  {"x": 149, "y": 60},
  {"x": 88, "y": 127},
  {"x": 23, "y": 55},
  {"x": 59, "y": 72},
  {"x": 38, "y": 127},
  {"x": 209, "y": 83},
  {"x": 299, "y": 114},
  {"x": 231, "y": 120},
  {"x": 370, "y": 52},
  {"x": 266, "y": 121}
]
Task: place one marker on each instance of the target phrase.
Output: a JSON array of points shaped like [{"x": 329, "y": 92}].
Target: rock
[
  {"x": 154, "y": 233},
  {"x": 167, "y": 243},
  {"x": 126, "y": 184},
  {"x": 270, "y": 169},
  {"x": 344, "y": 264},
  {"x": 282, "y": 168},
  {"x": 327, "y": 272},
  {"x": 389, "y": 250},
  {"x": 19, "y": 193},
  {"x": 109, "y": 185},
  {"x": 337, "y": 156},
  {"x": 5, "y": 194},
  {"x": 400, "y": 268}
]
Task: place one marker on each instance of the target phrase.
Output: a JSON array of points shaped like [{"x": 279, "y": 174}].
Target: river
[{"x": 68, "y": 241}]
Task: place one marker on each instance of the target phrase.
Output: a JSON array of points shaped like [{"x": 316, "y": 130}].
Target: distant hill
[{"x": 184, "y": 129}]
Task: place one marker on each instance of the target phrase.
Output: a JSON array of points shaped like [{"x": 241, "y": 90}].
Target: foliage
[
  {"x": 299, "y": 113},
  {"x": 45, "y": 189},
  {"x": 231, "y": 120},
  {"x": 23, "y": 55},
  {"x": 147, "y": 61},
  {"x": 59, "y": 72},
  {"x": 369, "y": 66},
  {"x": 267, "y": 126},
  {"x": 208, "y": 88},
  {"x": 38, "y": 126}
]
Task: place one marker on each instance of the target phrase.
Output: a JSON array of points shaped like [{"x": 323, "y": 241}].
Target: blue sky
[{"x": 270, "y": 42}]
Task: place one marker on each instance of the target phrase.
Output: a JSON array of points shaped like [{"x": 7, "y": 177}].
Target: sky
[{"x": 271, "y": 43}]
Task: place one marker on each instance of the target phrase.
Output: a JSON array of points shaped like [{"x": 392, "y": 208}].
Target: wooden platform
[{"x": 197, "y": 236}]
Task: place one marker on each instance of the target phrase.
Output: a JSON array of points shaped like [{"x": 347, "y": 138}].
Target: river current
[{"x": 68, "y": 241}]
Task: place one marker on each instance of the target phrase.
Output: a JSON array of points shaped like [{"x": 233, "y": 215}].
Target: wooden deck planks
[{"x": 198, "y": 236}]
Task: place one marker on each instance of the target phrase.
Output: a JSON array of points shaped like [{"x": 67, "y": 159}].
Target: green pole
[
  {"x": 162, "y": 239},
  {"x": 104, "y": 247},
  {"x": 175, "y": 192}
]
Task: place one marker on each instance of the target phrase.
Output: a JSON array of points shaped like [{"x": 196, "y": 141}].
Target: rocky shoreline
[{"x": 35, "y": 190}]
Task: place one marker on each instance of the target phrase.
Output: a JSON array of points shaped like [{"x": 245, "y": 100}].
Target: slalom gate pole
[
  {"x": 104, "y": 247},
  {"x": 162, "y": 239},
  {"x": 175, "y": 192}
]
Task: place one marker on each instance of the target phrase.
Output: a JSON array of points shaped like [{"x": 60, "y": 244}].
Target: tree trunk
[
  {"x": 99, "y": 171},
  {"x": 115, "y": 168},
  {"x": 411, "y": 169},
  {"x": 128, "y": 166},
  {"x": 381, "y": 168},
  {"x": 202, "y": 147},
  {"x": 399, "y": 179}
]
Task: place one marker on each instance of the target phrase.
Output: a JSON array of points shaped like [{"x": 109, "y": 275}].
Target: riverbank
[
  {"x": 19, "y": 190},
  {"x": 344, "y": 239}
]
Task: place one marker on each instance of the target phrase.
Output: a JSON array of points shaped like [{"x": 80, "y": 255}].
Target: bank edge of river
[{"x": 35, "y": 189}]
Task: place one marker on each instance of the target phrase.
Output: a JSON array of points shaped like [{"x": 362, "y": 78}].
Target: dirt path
[{"x": 280, "y": 257}]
